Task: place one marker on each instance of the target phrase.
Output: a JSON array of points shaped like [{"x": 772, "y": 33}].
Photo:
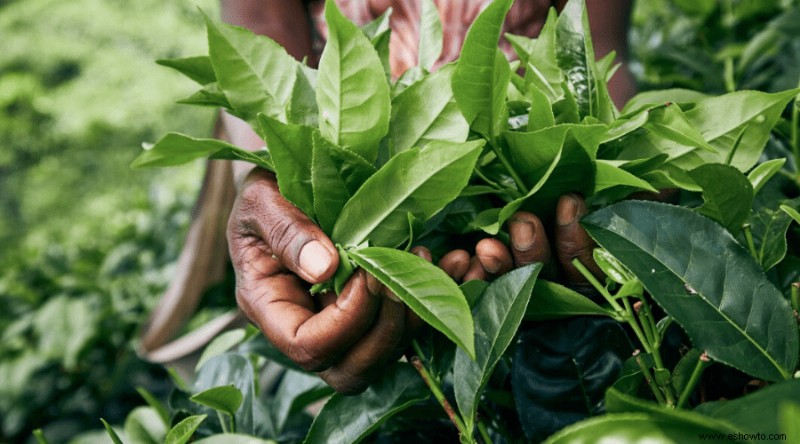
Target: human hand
[
  {"x": 529, "y": 244},
  {"x": 277, "y": 252}
]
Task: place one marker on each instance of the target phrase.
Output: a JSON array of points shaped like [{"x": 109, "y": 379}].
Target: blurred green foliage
[{"x": 86, "y": 243}]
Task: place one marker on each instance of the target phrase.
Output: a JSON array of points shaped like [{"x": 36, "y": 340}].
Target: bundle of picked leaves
[{"x": 380, "y": 165}]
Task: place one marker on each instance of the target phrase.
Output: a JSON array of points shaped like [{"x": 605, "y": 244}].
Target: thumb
[{"x": 296, "y": 241}]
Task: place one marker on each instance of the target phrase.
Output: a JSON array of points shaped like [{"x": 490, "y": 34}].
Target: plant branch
[
  {"x": 648, "y": 377},
  {"x": 751, "y": 245},
  {"x": 484, "y": 433},
  {"x": 702, "y": 363},
  {"x": 509, "y": 168},
  {"x": 599, "y": 287},
  {"x": 796, "y": 296}
]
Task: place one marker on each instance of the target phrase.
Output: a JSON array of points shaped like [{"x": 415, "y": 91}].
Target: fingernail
[
  {"x": 314, "y": 259},
  {"x": 492, "y": 264},
  {"x": 390, "y": 294},
  {"x": 373, "y": 285},
  {"x": 522, "y": 235},
  {"x": 567, "y": 210}
]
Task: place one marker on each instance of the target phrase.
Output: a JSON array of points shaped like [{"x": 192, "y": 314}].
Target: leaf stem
[
  {"x": 631, "y": 319},
  {"x": 648, "y": 377},
  {"x": 795, "y": 137},
  {"x": 702, "y": 363},
  {"x": 796, "y": 296},
  {"x": 751, "y": 245},
  {"x": 488, "y": 181},
  {"x": 510, "y": 169},
  {"x": 437, "y": 393},
  {"x": 484, "y": 433},
  {"x": 222, "y": 422},
  {"x": 598, "y": 286}
]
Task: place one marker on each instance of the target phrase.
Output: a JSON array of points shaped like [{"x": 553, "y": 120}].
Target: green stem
[
  {"x": 223, "y": 423},
  {"x": 643, "y": 339},
  {"x": 439, "y": 395},
  {"x": 751, "y": 245},
  {"x": 597, "y": 285},
  {"x": 648, "y": 377},
  {"x": 796, "y": 296},
  {"x": 488, "y": 181},
  {"x": 795, "y": 137},
  {"x": 650, "y": 323},
  {"x": 484, "y": 433},
  {"x": 702, "y": 363},
  {"x": 510, "y": 169}
]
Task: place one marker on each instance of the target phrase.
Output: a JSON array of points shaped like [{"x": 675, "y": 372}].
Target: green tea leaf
[
  {"x": 482, "y": 74},
  {"x": 350, "y": 419},
  {"x": 497, "y": 315},
  {"x": 575, "y": 56},
  {"x": 670, "y": 123},
  {"x": 553, "y": 301},
  {"x": 473, "y": 291},
  {"x": 226, "y": 399},
  {"x": 769, "y": 229},
  {"x": 379, "y": 34},
  {"x": 210, "y": 95},
  {"x": 302, "y": 108},
  {"x": 629, "y": 428},
  {"x": 176, "y": 149},
  {"x": 352, "y": 91},
  {"x": 789, "y": 415},
  {"x": 727, "y": 195},
  {"x": 260, "y": 158},
  {"x": 296, "y": 391},
  {"x": 234, "y": 438},
  {"x": 424, "y": 288},
  {"x": 183, "y": 431},
  {"x": 255, "y": 73},
  {"x": 426, "y": 111},
  {"x": 291, "y": 149},
  {"x": 415, "y": 181},
  {"x": 609, "y": 176},
  {"x": 662, "y": 97},
  {"x": 523, "y": 46},
  {"x": 234, "y": 369},
  {"x": 791, "y": 212},
  {"x": 430, "y": 35},
  {"x": 541, "y": 114},
  {"x": 761, "y": 174},
  {"x": 155, "y": 404},
  {"x": 757, "y": 412},
  {"x": 196, "y": 68},
  {"x": 143, "y": 425},
  {"x": 706, "y": 281},
  {"x": 542, "y": 72},
  {"x": 221, "y": 344},
  {"x": 111, "y": 432}
]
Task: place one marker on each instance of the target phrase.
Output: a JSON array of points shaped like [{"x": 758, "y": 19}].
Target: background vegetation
[{"x": 87, "y": 245}]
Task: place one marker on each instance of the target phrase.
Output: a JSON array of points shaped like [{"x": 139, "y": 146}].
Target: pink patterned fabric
[{"x": 525, "y": 18}]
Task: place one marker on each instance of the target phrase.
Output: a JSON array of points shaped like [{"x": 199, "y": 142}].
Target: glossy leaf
[
  {"x": 424, "y": 288},
  {"x": 473, "y": 291},
  {"x": 609, "y": 176},
  {"x": 196, "y": 68},
  {"x": 226, "y": 398},
  {"x": 793, "y": 213},
  {"x": 430, "y": 35},
  {"x": 260, "y": 158},
  {"x": 350, "y": 419},
  {"x": 629, "y": 428},
  {"x": 497, "y": 315},
  {"x": 111, "y": 432},
  {"x": 255, "y": 73},
  {"x": 661, "y": 97},
  {"x": 706, "y": 281},
  {"x": 769, "y": 229},
  {"x": 542, "y": 72},
  {"x": 209, "y": 95},
  {"x": 143, "y": 425},
  {"x": 221, "y": 344},
  {"x": 302, "y": 108},
  {"x": 482, "y": 74},
  {"x": 379, "y": 34},
  {"x": 183, "y": 431},
  {"x": 541, "y": 114},
  {"x": 759, "y": 176},
  {"x": 415, "y": 181},
  {"x": 176, "y": 149},
  {"x": 426, "y": 111},
  {"x": 554, "y": 301},
  {"x": 561, "y": 370},
  {"x": 154, "y": 403},
  {"x": 670, "y": 123},
  {"x": 789, "y": 415},
  {"x": 757, "y": 412},
  {"x": 727, "y": 195},
  {"x": 296, "y": 391},
  {"x": 291, "y": 149},
  {"x": 352, "y": 92},
  {"x": 575, "y": 56},
  {"x": 234, "y": 369}
]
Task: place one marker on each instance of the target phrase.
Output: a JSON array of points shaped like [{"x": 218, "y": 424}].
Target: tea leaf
[
  {"x": 732, "y": 311},
  {"x": 183, "y": 431},
  {"x": 430, "y": 35},
  {"x": 424, "y": 288},
  {"x": 352, "y": 92},
  {"x": 761, "y": 174},
  {"x": 196, "y": 68},
  {"x": 415, "y": 181},
  {"x": 554, "y": 301},
  {"x": 176, "y": 149},
  {"x": 727, "y": 195},
  {"x": 630, "y": 428},
  {"x": 226, "y": 399},
  {"x": 498, "y": 315}
]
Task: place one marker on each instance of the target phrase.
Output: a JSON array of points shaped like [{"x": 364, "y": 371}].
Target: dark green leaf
[
  {"x": 176, "y": 149},
  {"x": 196, "y": 68},
  {"x": 226, "y": 399},
  {"x": 352, "y": 91},
  {"x": 255, "y": 73},
  {"x": 291, "y": 149},
  {"x": 297, "y": 390},
  {"x": 482, "y": 74},
  {"x": 769, "y": 229},
  {"x": 704, "y": 279},
  {"x": 234, "y": 438},
  {"x": 554, "y": 301},
  {"x": 426, "y": 111},
  {"x": 473, "y": 291},
  {"x": 350, "y": 419},
  {"x": 727, "y": 195},
  {"x": 424, "y": 288},
  {"x": 234, "y": 369},
  {"x": 575, "y": 55},
  {"x": 183, "y": 431},
  {"x": 757, "y": 412},
  {"x": 790, "y": 420},
  {"x": 683, "y": 370},
  {"x": 629, "y": 428},
  {"x": 430, "y": 35},
  {"x": 415, "y": 181},
  {"x": 791, "y": 212},
  {"x": 497, "y": 317},
  {"x": 759, "y": 176}
]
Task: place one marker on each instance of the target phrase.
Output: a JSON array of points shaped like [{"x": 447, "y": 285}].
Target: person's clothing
[{"x": 525, "y": 18}]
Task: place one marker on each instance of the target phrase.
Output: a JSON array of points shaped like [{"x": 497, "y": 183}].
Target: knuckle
[{"x": 306, "y": 358}]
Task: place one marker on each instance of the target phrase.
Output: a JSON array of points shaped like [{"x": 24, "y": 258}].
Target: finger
[
  {"x": 353, "y": 373},
  {"x": 494, "y": 256},
  {"x": 455, "y": 264},
  {"x": 528, "y": 239},
  {"x": 290, "y": 235},
  {"x": 475, "y": 270},
  {"x": 422, "y": 252},
  {"x": 572, "y": 241},
  {"x": 282, "y": 309}
]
